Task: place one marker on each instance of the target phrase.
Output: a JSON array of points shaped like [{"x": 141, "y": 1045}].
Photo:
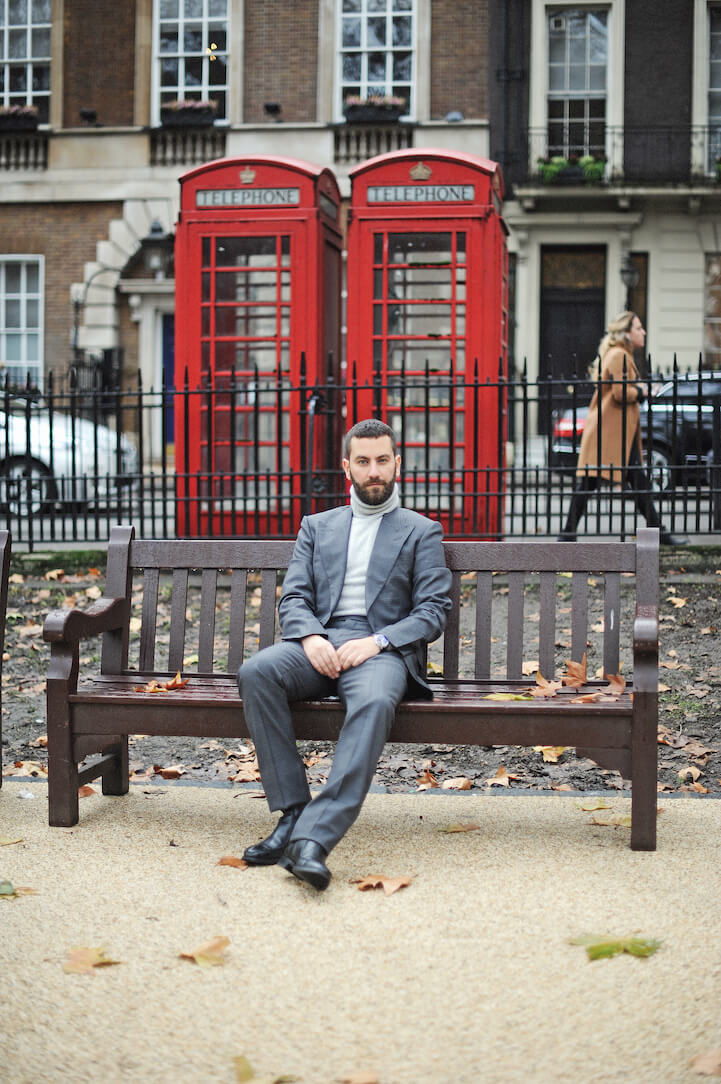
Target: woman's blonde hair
[{"x": 616, "y": 334}]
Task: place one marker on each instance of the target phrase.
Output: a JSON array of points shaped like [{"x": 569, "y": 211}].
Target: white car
[{"x": 48, "y": 459}]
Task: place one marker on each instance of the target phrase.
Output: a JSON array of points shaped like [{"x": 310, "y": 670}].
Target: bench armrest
[
  {"x": 645, "y": 649},
  {"x": 70, "y": 626}
]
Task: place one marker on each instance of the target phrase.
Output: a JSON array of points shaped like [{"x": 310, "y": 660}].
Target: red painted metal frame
[
  {"x": 408, "y": 189},
  {"x": 307, "y": 326}
]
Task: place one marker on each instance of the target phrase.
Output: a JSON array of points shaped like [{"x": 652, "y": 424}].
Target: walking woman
[{"x": 618, "y": 417}]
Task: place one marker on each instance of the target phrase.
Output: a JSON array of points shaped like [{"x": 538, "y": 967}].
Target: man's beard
[{"x": 373, "y": 496}]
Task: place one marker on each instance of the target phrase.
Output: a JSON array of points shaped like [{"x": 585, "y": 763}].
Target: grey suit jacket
[{"x": 407, "y": 588}]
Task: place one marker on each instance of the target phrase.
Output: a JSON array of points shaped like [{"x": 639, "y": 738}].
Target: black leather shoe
[
  {"x": 668, "y": 539},
  {"x": 566, "y": 538},
  {"x": 304, "y": 859},
  {"x": 269, "y": 850}
]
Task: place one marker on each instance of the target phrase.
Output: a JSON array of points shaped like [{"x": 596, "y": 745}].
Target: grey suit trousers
[{"x": 370, "y": 694}]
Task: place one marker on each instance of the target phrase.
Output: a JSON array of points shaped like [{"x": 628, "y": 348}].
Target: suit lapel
[
  {"x": 333, "y": 547},
  {"x": 389, "y": 540}
]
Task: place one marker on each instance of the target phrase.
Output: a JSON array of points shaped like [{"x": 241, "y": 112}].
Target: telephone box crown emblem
[
  {"x": 420, "y": 172},
  {"x": 247, "y": 175}
]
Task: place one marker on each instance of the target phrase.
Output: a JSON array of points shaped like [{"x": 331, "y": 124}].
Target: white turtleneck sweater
[{"x": 363, "y": 530}]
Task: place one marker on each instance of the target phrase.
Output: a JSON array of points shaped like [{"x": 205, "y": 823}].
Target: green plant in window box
[{"x": 583, "y": 169}]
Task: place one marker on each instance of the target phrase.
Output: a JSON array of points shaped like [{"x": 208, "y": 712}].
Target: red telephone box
[
  {"x": 427, "y": 326},
  {"x": 258, "y": 287}
]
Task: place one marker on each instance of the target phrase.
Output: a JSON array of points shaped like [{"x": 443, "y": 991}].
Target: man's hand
[
  {"x": 322, "y": 656},
  {"x": 354, "y": 652}
]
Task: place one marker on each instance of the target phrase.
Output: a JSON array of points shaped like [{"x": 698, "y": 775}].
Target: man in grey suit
[{"x": 366, "y": 589}]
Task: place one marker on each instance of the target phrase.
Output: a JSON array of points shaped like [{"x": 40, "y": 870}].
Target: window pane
[
  {"x": 351, "y": 5},
  {"x": 217, "y": 8},
  {"x": 377, "y": 5},
  {"x": 18, "y": 78},
  {"x": 17, "y": 12},
  {"x": 169, "y": 39},
  {"x": 402, "y": 66},
  {"x": 193, "y": 39},
  {"x": 402, "y": 31},
  {"x": 41, "y": 11},
  {"x": 168, "y": 9},
  {"x": 17, "y": 44},
  {"x": 376, "y": 32},
  {"x": 41, "y": 77},
  {"x": 377, "y": 68},
  {"x": 41, "y": 43},
  {"x": 193, "y": 73},
  {"x": 193, "y": 9},
  {"x": 12, "y": 313},
  {"x": 12, "y": 278},
  {"x": 351, "y": 66},
  {"x": 351, "y": 32}
]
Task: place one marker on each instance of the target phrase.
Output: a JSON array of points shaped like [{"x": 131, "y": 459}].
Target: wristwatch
[{"x": 382, "y": 641}]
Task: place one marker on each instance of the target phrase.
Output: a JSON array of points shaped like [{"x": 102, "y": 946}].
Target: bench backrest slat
[
  {"x": 579, "y": 615},
  {"x": 547, "y": 622},
  {"x": 206, "y": 631},
  {"x": 611, "y": 621},
  {"x": 484, "y": 595},
  {"x": 268, "y": 583},
  {"x": 151, "y": 582},
  {"x": 514, "y": 631},
  {"x": 236, "y": 639},
  {"x": 179, "y": 603},
  {"x": 450, "y": 640}
]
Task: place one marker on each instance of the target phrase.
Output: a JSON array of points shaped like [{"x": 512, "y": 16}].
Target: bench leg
[
  {"x": 115, "y": 776},
  {"x": 645, "y": 772},
  {"x": 62, "y": 781},
  {"x": 62, "y": 765}
]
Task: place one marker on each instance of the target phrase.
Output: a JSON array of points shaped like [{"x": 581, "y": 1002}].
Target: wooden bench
[
  {"x": 5, "y": 547},
  {"x": 200, "y": 606}
]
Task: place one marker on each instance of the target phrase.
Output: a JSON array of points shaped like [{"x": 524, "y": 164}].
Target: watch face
[{"x": 381, "y": 640}]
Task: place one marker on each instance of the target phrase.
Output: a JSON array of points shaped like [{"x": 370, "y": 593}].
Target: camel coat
[{"x": 615, "y": 445}]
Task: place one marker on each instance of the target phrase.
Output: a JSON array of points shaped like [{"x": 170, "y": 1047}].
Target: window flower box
[
  {"x": 586, "y": 169},
  {"x": 18, "y": 118},
  {"x": 384, "y": 109},
  {"x": 187, "y": 113}
]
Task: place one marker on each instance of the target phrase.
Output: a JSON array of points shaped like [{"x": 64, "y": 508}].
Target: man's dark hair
[{"x": 369, "y": 427}]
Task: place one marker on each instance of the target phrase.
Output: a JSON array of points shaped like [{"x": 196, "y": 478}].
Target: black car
[{"x": 679, "y": 416}]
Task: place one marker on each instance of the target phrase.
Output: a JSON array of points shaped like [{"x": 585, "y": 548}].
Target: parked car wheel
[
  {"x": 26, "y": 487},
  {"x": 660, "y": 469}
]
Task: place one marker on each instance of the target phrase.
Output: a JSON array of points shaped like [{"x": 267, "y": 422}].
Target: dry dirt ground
[{"x": 690, "y": 712}]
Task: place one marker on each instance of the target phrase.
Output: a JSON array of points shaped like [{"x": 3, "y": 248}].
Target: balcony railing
[
  {"x": 24, "y": 150},
  {"x": 356, "y": 142},
  {"x": 186, "y": 146},
  {"x": 657, "y": 155}
]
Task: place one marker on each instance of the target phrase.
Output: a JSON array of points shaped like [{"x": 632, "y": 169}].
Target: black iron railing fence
[{"x": 489, "y": 457}]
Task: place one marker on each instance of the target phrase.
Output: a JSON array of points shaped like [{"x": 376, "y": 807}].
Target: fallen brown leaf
[
  {"x": 575, "y": 672},
  {"x": 388, "y": 884},
  {"x": 86, "y": 791},
  {"x": 231, "y": 860},
  {"x": 459, "y": 783},
  {"x": 550, "y": 753},
  {"x": 82, "y": 960},
  {"x": 501, "y": 778},
  {"x": 708, "y": 1063},
  {"x": 616, "y": 684},
  {"x": 210, "y": 954}
]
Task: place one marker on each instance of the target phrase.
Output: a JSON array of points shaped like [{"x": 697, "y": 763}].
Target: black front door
[{"x": 572, "y": 324}]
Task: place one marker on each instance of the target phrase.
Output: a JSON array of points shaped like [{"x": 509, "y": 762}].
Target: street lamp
[
  {"x": 630, "y": 276},
  {"x": 157, "y": 250}
]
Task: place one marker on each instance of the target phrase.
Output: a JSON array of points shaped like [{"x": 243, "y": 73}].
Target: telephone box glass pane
[
  {"x": 245, "y": 331},
  {"x": 419, "y": 341}
]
